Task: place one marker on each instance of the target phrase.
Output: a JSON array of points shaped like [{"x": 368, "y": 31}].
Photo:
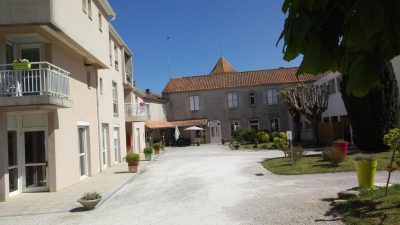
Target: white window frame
[
  {"x": 194, "y": 103},
  {"x": 272, "y": 97},
  {"x": 89, "y": 8},
  {"x": 252, "y": 94},
  {"x": 235, "y": 124},
  {"x": 252, "y": 122},
  {"x": 100, "y": 16},
  {"x": 84, "y": 6},
  {"x": 233, "y": 101}
]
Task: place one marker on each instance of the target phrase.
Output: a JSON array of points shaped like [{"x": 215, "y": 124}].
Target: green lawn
[
  {"x": 260, "y": 146},
  {"x": 315, "y": 164},
  {"x": 372, "y": 207}
]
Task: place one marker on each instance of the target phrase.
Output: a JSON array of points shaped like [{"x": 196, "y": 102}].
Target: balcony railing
[
  {"x": 136, "y": 113},
  {"x": 42, "y": 79},
  {"x": 129, "y": 78}
]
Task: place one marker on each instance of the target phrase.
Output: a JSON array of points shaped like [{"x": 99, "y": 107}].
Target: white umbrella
[
  {"x": 177, "y": 133},
  {"x": 194, "y": 128}
]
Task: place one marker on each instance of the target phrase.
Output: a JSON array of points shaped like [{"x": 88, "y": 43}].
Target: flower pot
[
  {"x": 89, "y": 204},
  {"x": 147, "y": 157},
  {"x": 21, "y": 66},
  {"x": 342, "y": 146},
  {"x": 133, "y": 167},
  {"x": 366, "y": 173},
  {"x": 157, "y": 151}
]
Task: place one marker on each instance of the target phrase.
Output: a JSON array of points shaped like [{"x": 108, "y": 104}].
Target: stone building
[{"x": 228, "y": 99}]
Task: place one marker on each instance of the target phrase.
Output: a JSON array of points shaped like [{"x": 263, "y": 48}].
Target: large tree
[
  {"x": 357, "y": 38},
  {"x": 310, "y": 101}
]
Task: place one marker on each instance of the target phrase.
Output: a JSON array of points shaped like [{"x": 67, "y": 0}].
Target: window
[
  {"x": 116, "y": 145},
  {"x": 253, "y": 124},
  {"x": 232, "y": 100},
  {"x": 306, "y": 125},
  {"x": 100, "y": 22},
  {"x": 334, "y": 119},
  {"x": 331, "y": 87},
  {"x": 116, "y": 57},
  {"x": 90, "y": 8},
  {"x": 194, "y": 103},
  {"x": 115, "y": 99},
  {"x": 101, "y": 85},
  {"x": 84, "y": 5},
  {"x": 252, "y": 98},
  {"x": 89, "y": 79},
  {"x": 272, "y": 97},
  {"x": 325, "y": 119},
  {"x": 275, "y": 125},
  {"x": 234, "y": 126}
]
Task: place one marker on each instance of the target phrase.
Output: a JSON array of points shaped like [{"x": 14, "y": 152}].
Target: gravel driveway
[{"x": 213, "y": 185}]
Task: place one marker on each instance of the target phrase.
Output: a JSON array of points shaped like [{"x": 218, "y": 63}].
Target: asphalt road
[{"x": 210, "y": 185}]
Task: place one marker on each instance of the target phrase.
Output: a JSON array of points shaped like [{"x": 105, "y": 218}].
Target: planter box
[
  {"x": 366, "y": 173},
  {"x": 89, "y": 204},
  {"x": 21, "y": 66}
]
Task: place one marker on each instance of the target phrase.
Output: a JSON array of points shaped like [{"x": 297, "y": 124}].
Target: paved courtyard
[{"x": 212, "y": 185}]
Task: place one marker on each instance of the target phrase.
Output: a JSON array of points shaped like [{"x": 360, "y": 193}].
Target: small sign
[{"x": 289, "y": 135}]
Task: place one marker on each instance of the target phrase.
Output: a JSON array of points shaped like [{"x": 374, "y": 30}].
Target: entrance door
[
  {"x": 35, "y": 158},
  {"x": 104, "y": 144},
  {"x": 13, "y": 168},
  {"x": 215, "y": 131},
  {"x": 83, "y": 149}
]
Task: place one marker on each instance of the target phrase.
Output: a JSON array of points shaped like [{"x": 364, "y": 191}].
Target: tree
[
  {"x": 356, "y": 38},
  {"x": 311, "y": 101},
  {"x": 288, "y": 96}
]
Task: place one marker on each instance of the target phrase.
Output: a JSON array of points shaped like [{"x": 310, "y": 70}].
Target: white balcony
[
  {"x": 129, "y": 83},
  {"x": 136, "y": 113},
  {"x": 43, "y": 84}
]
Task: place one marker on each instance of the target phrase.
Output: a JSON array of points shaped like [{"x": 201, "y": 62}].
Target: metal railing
[
  {"x": 129, "y": 78},
  {"x": 137, "y": 112},
  {"x": 42, "y": 79}
]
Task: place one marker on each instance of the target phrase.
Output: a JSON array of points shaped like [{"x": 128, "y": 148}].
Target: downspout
[{"x": 98, "y": 119}]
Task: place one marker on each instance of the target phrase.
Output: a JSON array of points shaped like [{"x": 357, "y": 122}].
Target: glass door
[
  {"x": 13, "y": 173},
  {"x": 83, "y": 149},
  {"x": 35, "y": 158},
  {"x": 31, "y": 78}
]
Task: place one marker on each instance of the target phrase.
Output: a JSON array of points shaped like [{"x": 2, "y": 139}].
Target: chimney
[{"x": 148, "y": 91}]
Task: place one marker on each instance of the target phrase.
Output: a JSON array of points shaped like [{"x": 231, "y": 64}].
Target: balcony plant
[
  {"x": 133, "y": 161},
  {"x": 156, "y": 147},
  {"x": 90, "y": 200},
  {"x": 148, "y": 151},
  {"x": 21, "y": 64},
  {"x": 366, "y": 169}
]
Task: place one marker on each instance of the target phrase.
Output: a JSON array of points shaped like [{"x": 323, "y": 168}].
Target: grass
[
  {"x": 372, "y": 207},
  {"x": 315, "y": 164}
]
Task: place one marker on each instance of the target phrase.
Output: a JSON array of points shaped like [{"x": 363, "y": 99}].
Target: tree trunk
[
  {"x": 373, "y": 115},
  {"x": 315, "y": 126},
  {"x": 297, "y": 122}
]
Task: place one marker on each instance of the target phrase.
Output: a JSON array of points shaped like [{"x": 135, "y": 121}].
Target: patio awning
[{"x": 172, "y": 124}]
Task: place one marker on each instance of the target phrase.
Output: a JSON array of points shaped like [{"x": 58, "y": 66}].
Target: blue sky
[{"x": 247, "y": 30}]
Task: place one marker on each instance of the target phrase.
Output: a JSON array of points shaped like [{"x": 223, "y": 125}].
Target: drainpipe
[{"x": 98, "y": 119}]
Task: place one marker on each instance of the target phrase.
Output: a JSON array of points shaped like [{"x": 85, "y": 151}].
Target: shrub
[
  {"x": 236, "y": 145},
  {"x": 262, "y": 137},
  {"x": 156, "y": 146},
  {"x": 91, "y": 196},
  {"x": 265, "y": 146},
  {"x": 244, "y": 135},
  {"x": 132, "y": 158},
  {"x": 333, "y": 155},
  {"x": 280, "y": 141},
  {"x": 273, "y": 136},
  {"x": 148, "y": 151}
]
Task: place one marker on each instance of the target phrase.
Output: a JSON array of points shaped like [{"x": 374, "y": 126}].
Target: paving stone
[{"x": 347, "y": 194}]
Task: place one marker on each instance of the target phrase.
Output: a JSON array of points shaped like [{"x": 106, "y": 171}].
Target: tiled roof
[
  {"x": 238, "y": 79},
  {"x": 172, "y": 124}
]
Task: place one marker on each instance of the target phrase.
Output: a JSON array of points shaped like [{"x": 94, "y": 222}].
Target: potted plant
[
  {"x": 90, "y": 200},
  {"x": 366, "y": 169},
  {"x": 342, "y": 145},
  {"x": 156, "y": 147},
  {"x": 148, "y": 151},
  {"x": 133, "y": 161},
  {"x": 21, "y": 64}
]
